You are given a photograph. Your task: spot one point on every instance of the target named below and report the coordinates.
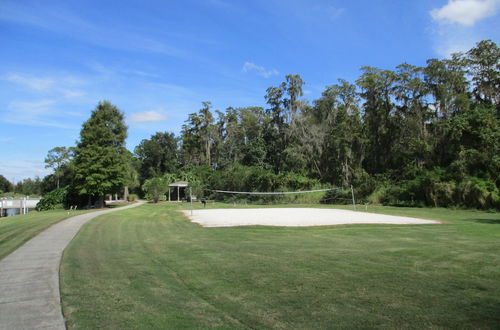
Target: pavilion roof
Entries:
(179, 184)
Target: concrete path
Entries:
(29, 277)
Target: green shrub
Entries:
(132, 197)
(337, 196)
(155, 188)
(56, 199)
(478, 193)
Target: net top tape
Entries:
(271, 193)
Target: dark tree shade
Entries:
(5, 185)
(29, 187)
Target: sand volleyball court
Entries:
(294, 217)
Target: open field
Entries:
(16, 230)
(150, 267)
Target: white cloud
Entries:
(261, 71)
(148, 117)
(464, 12)
(455, 30)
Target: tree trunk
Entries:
(207, 153)
(125, 193)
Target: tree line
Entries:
(410, 136)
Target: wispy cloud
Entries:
(464, 12)
(16, 170)
(260, 70)
(63, 100)
(35, 113)
(62, 86)
(49, 100)
(330, 12)
(35, 83)
(451, 41)
(66, 22)
(148, 117)
(221, 3)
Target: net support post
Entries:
(353, 201)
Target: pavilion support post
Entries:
(178, 193)
(169, 194)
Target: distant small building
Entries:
(179, 185)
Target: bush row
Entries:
(435, 189)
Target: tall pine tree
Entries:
(100, 160)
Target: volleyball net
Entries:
(334, 195)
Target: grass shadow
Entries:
(115, 205)
(488, 221)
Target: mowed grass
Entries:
(150, 268)
(16, 230)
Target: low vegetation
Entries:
(149, 267)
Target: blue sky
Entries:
(158, 60)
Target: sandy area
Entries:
(294, 217)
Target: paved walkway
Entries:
(29, 277)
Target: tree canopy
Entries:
(157, 155)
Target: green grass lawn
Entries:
(16, 230)
(149, 267)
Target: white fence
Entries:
(11, 206)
